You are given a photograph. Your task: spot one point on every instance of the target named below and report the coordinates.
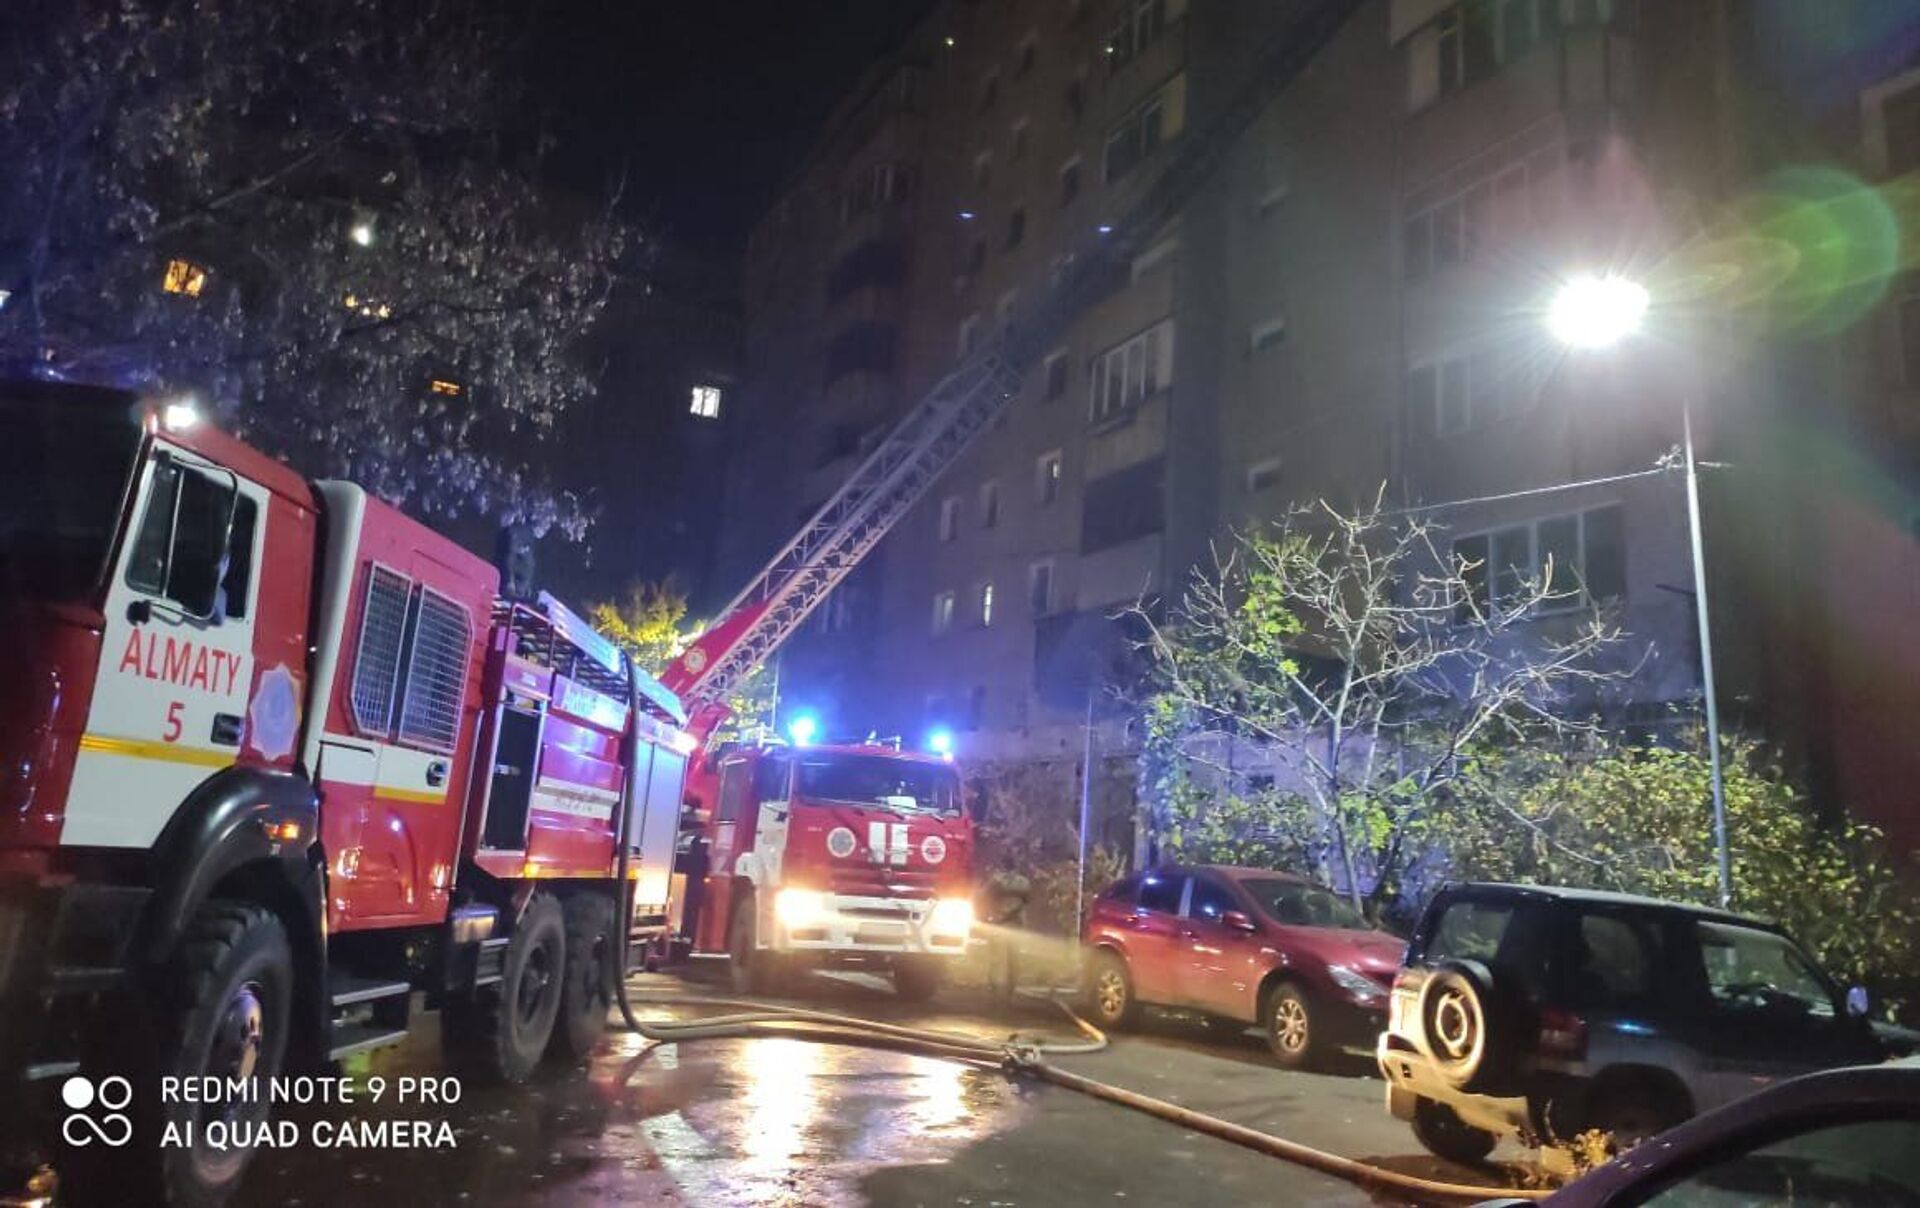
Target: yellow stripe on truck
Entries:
(142, 748)
(418, 796)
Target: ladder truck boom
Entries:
(933, 435)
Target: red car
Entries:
(1246, 944)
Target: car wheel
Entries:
(1110, 988)
(1445, 1135)
(1463, 1026)
(1288, 1027)
(1630, 1112)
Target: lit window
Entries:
(1046, 484)
(445, 387)
(942, 612)
(986, 604)
(184, 277)
(706, 402)
(949, 518)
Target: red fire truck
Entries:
(275, 760)
(833, 855)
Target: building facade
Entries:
(1352, 302)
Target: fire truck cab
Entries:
(836, 855)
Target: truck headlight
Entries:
(951, 916)
(1357, 984)
(799, 907)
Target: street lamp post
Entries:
(1596, 313)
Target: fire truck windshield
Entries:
(65, 460)
(879, 780)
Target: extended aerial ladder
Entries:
(932, 436)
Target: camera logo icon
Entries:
(106, 1099)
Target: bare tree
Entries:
(1363, 664)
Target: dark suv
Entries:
(1542, 1013)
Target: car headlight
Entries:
(951, 916)
(799, 907)
(1357, 984)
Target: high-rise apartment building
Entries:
(1352, 301)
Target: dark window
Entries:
(1069, 183)
(736, 779)
(1469, 930)
(1122, 506)
(990, 91)
(868, 345)
(1617, 962)
(1415, 241)
(976, 257)
(180, 552)
(1209, 900)
(1516, 28)
(1910, 335)
(1056, 377)
(977, 708)
(1421, 380)
(1854, 1163)
(878, 780)
(1075, 99)
(1478, 47)
(1016, 227)
(770, 780)
(1755, 972)
(1301, 904)
(1901, 115)
(1161, 892)
(1024, 63)
(1606, 554)
(875, 263)
(234, 584)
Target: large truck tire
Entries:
(586, 990)
(499, 1034)
(224, 1005)
(751, 969)
(916, 978)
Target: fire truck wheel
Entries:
(500, 1033)
(586, 992)
(752, 970)
(915, 978)
(224, 1006)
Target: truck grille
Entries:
(881, 882)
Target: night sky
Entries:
(705, 105)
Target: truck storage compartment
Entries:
(510, 792)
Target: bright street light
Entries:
(1593, 313)
(361, 233)
(1597, 312)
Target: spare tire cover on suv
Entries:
(1465, 1027)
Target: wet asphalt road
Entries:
(787, 1122)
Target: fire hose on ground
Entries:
(1024, 1057)
(1015, 1056)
